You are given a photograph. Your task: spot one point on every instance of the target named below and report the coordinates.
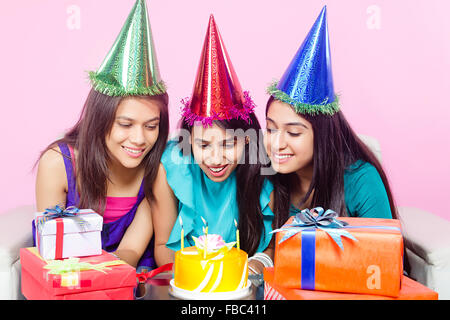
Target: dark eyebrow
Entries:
(273, 122)
(152, 119)
(296, 124)
(197, 140)
(130, 119)
(289, 123)
(124, 118)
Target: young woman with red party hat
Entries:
(211, 172)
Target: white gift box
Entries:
(65, 237)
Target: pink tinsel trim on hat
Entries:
(232, 112)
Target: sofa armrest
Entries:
(373, 145)
(427, 241)
(15, 232)
(426, 234)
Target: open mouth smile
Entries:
(281, 157)
(218, 171)
(133, 152)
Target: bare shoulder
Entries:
(161, 170)
(52, 158)
(161, 179)
(161, 188)
(51, 167)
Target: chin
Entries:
(218, 179)
(130, 164)
(282, 168)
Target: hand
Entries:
(255, 267)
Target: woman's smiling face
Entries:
(289, 138)
(216, 150)
(134, 131)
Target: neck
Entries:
(304, 176)
(119, 175)
(300, 185)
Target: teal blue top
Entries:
(198, 196)
(364, 191)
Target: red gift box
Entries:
(117, 282)
(410, 290)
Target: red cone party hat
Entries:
(217, 93)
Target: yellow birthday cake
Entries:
(220, 272)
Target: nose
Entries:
(214, 156)
(278, 141)
(137, 136)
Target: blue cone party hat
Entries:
(307, 84)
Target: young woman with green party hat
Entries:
(109, 159)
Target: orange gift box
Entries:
(116, 282)
(410, 290)
(373, 264)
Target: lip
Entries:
(133, 154)
(220, 173)
(285, 157)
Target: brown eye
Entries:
(202, 145)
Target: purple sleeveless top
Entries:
(112, 232)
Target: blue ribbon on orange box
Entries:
(307, 222)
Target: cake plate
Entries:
(190, 295)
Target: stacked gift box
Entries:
(68, 261)
(321, 256)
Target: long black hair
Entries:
(336, 146)
(249, 181)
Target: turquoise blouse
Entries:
(365, 194)
(198, 196)
(364, 191)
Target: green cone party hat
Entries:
(131, 68)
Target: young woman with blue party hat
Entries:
(108, 161)
(319, 159)
(210, 173)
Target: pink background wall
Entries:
(391, 61)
